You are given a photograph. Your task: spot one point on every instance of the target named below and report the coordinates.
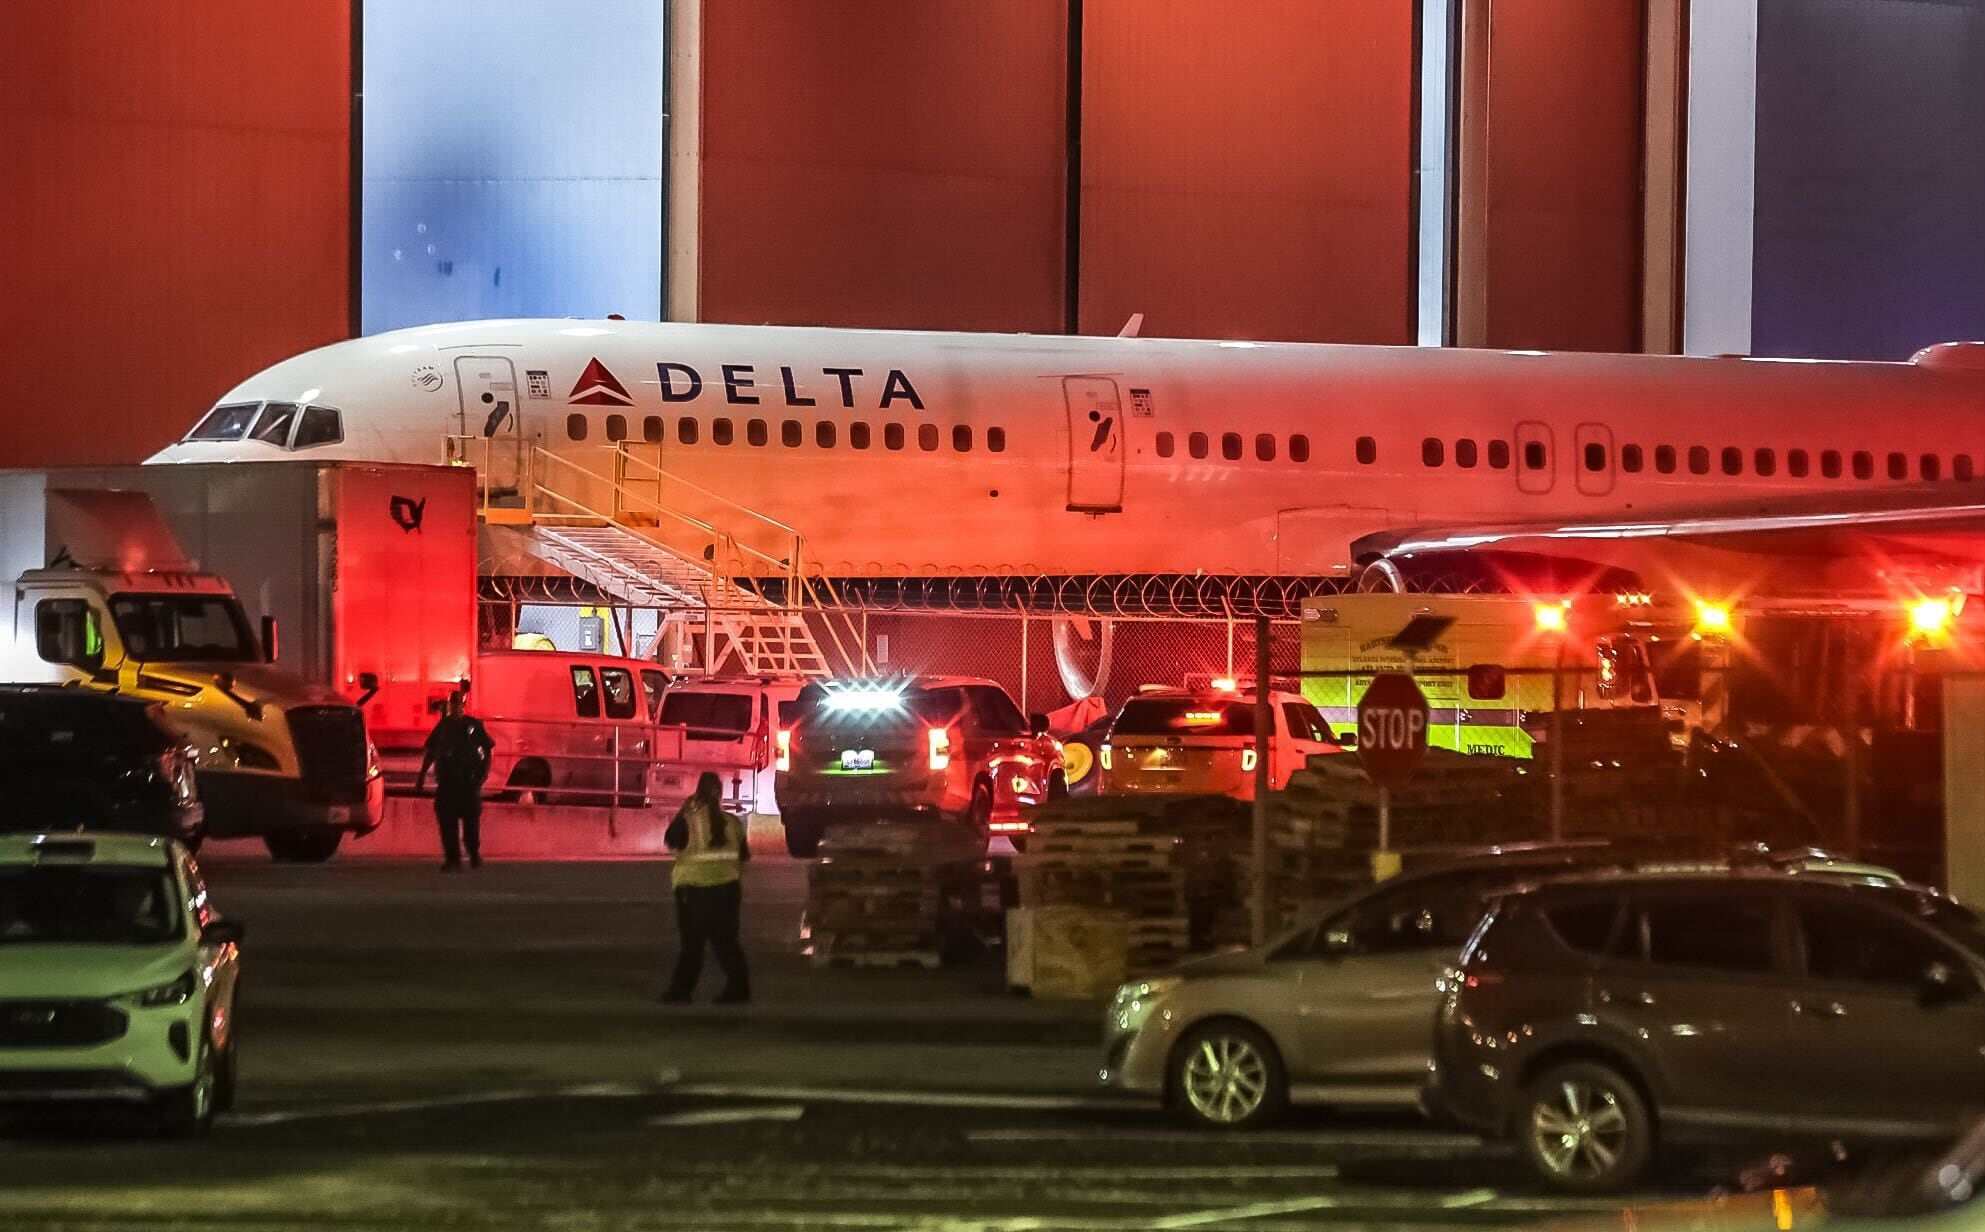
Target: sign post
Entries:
(1392, 740)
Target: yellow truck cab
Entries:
(103, 598)
(1202, 741)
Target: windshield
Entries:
(183, 628)
(228, 422)
(95, 904)
(1185, 716)
(708, 711)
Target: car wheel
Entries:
(1227, 1075)
(303, 846)
(528, 780)
(227, 1073)
(188, 1111)
(1585, 1128)
(802, 839)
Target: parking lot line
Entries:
(1236, 1214)
(908, 1099)
(597, 1090)
(731, 1116)
(1404, 1140)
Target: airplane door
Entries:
(1594, 461)
(492, 412)
(1095, 444)
(1536, 463)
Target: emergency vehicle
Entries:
(951, 749)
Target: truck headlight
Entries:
(179, 992)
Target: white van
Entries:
(569, 727)
(726, 724)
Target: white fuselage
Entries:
(1118, 454)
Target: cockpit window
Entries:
(225, 423)
(277, 419)
(321, 426)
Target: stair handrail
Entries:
(793, 564)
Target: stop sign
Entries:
(1392, 729)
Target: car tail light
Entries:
(1248, 760)
(782, 741)
(1483, 979)
(940, 748)
(1103, 756)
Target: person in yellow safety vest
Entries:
(711, 849)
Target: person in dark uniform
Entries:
(458, 748)
(711, 849)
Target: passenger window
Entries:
(858, 434)
(1431, 453)
(1585, 927)
(1797, 464)
(321, 425)
(892, 436)
(1306, 723)
(1733, 460)
(685, 430)
(995, 712)
(756, 432)
(995, 440)
(1595, 456)
(1698, 459)
(1196, 444)
(1722, 932)
(616, 427)
(1164, 444)
(66, 631)
(1961, 467)
(585, 693)
(277, 419)
(575, 426)
(1932, 468)
(653, 685)
(651, 429)
(1898, 466)
(1465, 454)
(1299, 448)
(823, 434)
(792, 434)
(961, 438)
(927, 437)
(1765, 461)
(1535, 456)
(1664, 459)
(1499, 455)
(1864, 464)
(1367, 451)
(1830, 463)
(1631, 459)
(720, 431)
(618, 685)
(1230, 446)
(1854, 945)
(1264, 447)
(1427, 916)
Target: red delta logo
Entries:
(598, 387)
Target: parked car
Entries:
(1202, 741)
(570, 728)
(117, 977)
(953, 750)
(1596, 1019)
(71, 759)
(726, 725)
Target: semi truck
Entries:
(105, 599)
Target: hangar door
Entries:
(1095, 444)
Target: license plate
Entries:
(857, 759)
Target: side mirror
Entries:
(224, 932)
(1347, 739)
(1037, 724)
(268, 639)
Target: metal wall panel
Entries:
(888, 163)
(1565, 86)
(176, 211)
(1247, 170)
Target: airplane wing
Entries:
(1923, 535)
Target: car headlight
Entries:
(179, 992)
(1136, 1001)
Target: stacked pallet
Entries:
(874, 898)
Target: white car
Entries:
(117, 977)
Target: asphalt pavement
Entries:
(486, 1050)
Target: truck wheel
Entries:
(802, 837)
(979, 814)
(303, 846)
(188, 1111)
(528, 780)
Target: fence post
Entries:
(1026, 702)
(1264, 732)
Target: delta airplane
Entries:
(903, 454)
